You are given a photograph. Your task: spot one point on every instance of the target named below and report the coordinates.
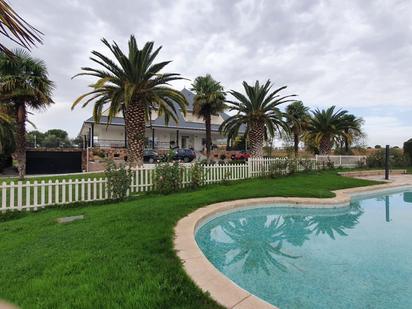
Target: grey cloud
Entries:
(348, 53)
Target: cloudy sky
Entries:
(353, 54)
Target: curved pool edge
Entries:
(211, 280)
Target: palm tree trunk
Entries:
(346, 145)
(135, 131)
(296, 144)
(325, 146)
(256, 135)
(20, 152)
(208, 122)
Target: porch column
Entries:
(125, 137)
(177, 138)
(153, 138)
(92, 136)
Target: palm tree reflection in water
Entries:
(258, 241)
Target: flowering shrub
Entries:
(119, 180)
(167, 177)
(198, 174)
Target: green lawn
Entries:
(121, 255)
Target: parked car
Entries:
(184, 154)
(242, 155)
(150, 156)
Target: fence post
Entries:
(340, 160)
(249, 165)
(3, 197)
(19, 194)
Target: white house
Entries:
(188, 132)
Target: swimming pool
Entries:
(354, 257)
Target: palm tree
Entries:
(24, 84)
(325, 127)
(209, 101)
(352, 127)
(15, 28)
(6, 130)
(259, 111)
(134, 86)
(297, 119)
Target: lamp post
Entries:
(387, 162)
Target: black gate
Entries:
(53, 162)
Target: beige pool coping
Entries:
(220, 287)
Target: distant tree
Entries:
(352, 127)
(297, 119)
(35, 138)
(133, 84)
(57, 132)
(378, 146)
(209, 101)
(258, 110)
(325, 128)
(24, 84)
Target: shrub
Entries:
(277, 168)
(119, 180)
(361, 163)
(167, 177)
(306, 164)
(292, 166)
(330, 164)
(396, 159)
(226, 178)
(407, 148)
(198, 175)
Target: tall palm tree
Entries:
(297, 119)
(6, 130)
(209, 101)
(134, 86)
(325, 127)
(259, 111)
(352, 127)
(24, 84)
(16, 29)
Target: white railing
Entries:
(33, 194)
(341, 161)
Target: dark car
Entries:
(150, 156)
(184, 154)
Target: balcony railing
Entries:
(108, 143)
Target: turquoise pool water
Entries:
(356, 257)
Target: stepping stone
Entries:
(69, 219)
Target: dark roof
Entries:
(160, 121)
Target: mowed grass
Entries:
(121, 255)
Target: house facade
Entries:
(187, 132)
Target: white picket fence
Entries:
(33, 194)
(341, 161)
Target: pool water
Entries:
(355, 257)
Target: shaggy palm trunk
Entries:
(325, 146)
(20, 153)
(208, 135)
(296, 144)
(256, 136)
(346, 145)
(346, 139)
(135, 131)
